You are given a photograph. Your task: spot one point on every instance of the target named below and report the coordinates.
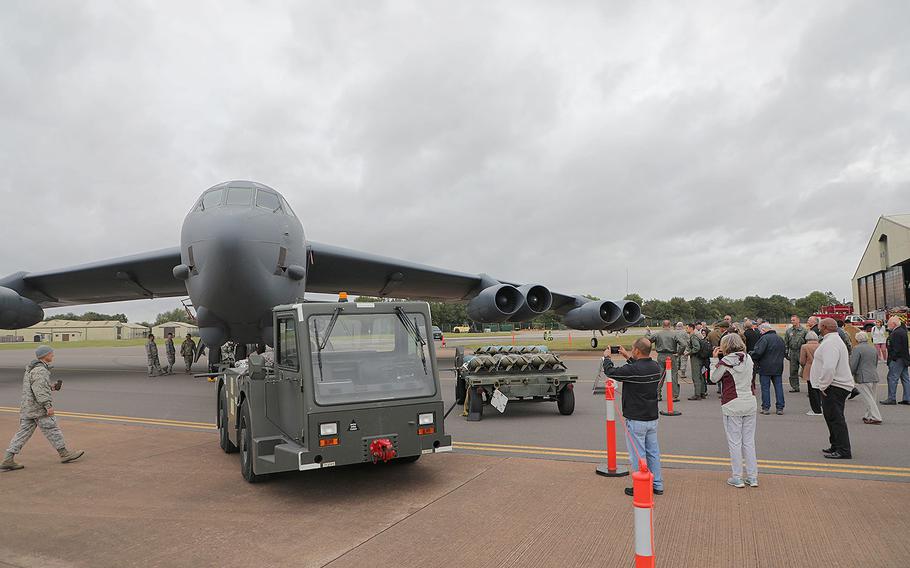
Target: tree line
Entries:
(177, 314)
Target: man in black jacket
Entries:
(898, 360)
(768, 356)
(641, 378)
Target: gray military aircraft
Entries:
(244, 251)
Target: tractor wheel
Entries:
(461, 391)
(246, 446)
(225, 441)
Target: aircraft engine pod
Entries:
(631, 313)
(537, 300)
(17, 312)
(495, 303)
(594, 315)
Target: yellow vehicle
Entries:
(461, 329)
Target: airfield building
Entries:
(882, 279)
(66, 330)
(178, 328)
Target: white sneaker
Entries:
(736, 482)
(810, 413)
(752, 481)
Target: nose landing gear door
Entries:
(284, 395)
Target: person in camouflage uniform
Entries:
(36, 410)
(228, 349)
(151, 355)
(681, 353)
(188, 350)
(693, 348)
(794, 339)
(170, 352)
(668, 343)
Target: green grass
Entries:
(77, 344)
(580, 343)
(472, 334)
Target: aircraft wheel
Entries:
(225, 441)
(246, 446)
(461, 391)
(565, 401)
(593, 343)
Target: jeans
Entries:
(897, 370)
(766, 381)
(833, 407)
(741, 441)
(643, 438)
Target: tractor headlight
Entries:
(426, 419)
(328, 429)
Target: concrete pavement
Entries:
(149, 497)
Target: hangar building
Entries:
(178, 328)
(882, 279)
(66, 330)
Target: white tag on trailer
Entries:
(499, 401)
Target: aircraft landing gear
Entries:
(593, 343)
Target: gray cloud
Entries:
(747, 149)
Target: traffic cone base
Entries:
(604, 470)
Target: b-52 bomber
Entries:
(243, 251)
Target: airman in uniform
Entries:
(151, 355)
(668, 343)
(170, 352)
(188, 351)
(36, 410)
(683, 358)
(693, 348)
(794, 339)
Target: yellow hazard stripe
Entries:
(128, 419)
(692, 460)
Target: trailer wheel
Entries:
(593, 343)
(461, 391)
(565, 401)
(225, 441)
(408, 459)
(246, 445)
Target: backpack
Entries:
(704, 350)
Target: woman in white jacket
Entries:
(733, 371)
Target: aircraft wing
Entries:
(134, 277)
(333, 269)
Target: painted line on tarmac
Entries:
(125, 419)
(689, 460)
(536, 450)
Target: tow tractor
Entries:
(500, 374)
(351, 383)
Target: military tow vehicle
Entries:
(500, 374)
(351, 383)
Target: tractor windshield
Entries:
(369, 357)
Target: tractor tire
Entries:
(565, 401)
(224, 440)
(246, 446)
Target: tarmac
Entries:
(154, 489)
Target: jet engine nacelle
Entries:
(495, 303)
(594, 315)
(631, 313)
(537, 300)
(17, 312)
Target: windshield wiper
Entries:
(320, 345)
(414, 332)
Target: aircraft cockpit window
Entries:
(211, 199)
(287, 208)
(268, 200)
(239, 196)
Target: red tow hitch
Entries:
(381, 449)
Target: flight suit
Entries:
(682, 353)
(667, 343)
(794, 339)
(695, 363)
(151, 355)
(188, 351)
(171, 354)
(36, 399)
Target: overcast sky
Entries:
(710, 148)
